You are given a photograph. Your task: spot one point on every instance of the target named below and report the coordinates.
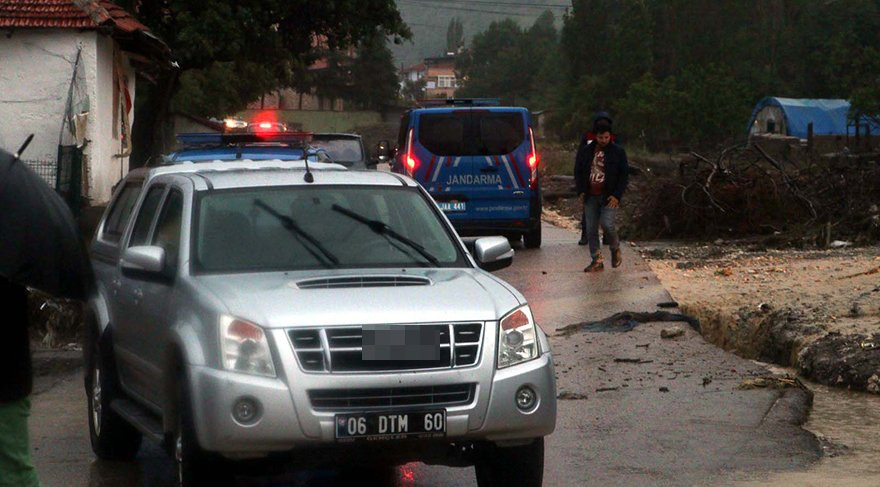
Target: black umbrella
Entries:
(40, 244)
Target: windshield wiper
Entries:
(383, 229)
(325, 257)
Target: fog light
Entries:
(246, 410)
(526, 398)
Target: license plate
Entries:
(390, 426)
(401, 342)
(452, 206)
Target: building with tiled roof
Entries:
(68, 70)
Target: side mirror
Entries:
(144, 262)
(383, 151)
(493, 253)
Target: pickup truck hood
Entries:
(283, 300)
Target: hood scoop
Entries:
(362, 281)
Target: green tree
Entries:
(227, 41)
(519, 66)
(374, 82)
(455, 35)
(494, 65)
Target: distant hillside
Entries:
(429, 19)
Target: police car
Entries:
(479, 162)
(242, 140)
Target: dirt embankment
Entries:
(816, 310)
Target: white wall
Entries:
(105, 166)
(36, 67)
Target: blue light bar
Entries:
(477, 102)
(217, 138)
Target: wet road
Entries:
(624, 430)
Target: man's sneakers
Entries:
(597, 265)
(616, 257)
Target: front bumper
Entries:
(288, 420)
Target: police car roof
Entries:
(247, 173)
(254, 153)
(248, 178)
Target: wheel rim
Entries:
(97, 407)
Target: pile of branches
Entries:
(744, 191)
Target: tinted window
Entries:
(141, 231)
(499, 133)
(341, 150)
(121, 210)
(444, 134)
(281, 228)
(167, 234)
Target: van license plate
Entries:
(391, 426)
(452, 206)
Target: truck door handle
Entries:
(489, 169)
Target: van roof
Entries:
(448, 109)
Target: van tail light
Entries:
(533, 161)
(409, 159)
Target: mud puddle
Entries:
(848, 423)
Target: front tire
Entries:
(194, 466)
(532, 240)
(519, 466)
(111, 436)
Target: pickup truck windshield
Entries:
(299, 228)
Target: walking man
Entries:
(16, 468)
(599, 119)
(601, 173)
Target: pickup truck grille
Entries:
(364, 399)
(340, 349)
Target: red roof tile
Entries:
(71, 14)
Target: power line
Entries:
(497, 3)
(463, 9)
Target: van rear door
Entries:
(441, 152)
(502, 147)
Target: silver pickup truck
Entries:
(258, 314)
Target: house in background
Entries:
(413, 73)
(68, 70)
(438, 73)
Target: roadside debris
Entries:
(851, 361)
(632, 360)
(571, 396)
(667, 304)
(724, 272)
(707, 381)
(607, 389)
(868, 272)
(839, 244)
(770, 382)
(664, 389)
(626, 321)
(671, 332)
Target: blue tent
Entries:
(829, 117)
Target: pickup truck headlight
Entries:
(517, 338)
(245, 348)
